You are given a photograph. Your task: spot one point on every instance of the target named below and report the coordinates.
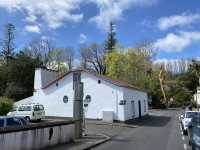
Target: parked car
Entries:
(12, 121)
(194, 133)
(31, 111)
(186, 121)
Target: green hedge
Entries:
(6, 105)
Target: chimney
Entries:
(38, 79)
(42, 77)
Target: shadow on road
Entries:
(150, 120)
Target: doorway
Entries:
(139, 108)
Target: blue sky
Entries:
(173, 26)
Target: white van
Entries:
(31, 111)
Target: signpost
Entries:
(78, 109)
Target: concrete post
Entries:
(78, 109)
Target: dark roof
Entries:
(105, 78)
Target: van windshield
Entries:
(38, 108)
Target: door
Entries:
(133, 108)
(139, 108)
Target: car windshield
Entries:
(196, 120)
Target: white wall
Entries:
(104, 97)
(52, 98)
(134, 95)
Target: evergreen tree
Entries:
(111, 40)
(8, 42)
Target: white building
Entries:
(56, 93)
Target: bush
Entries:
(5, 105)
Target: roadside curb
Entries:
(107, 138)
(113, 124)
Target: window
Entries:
(87, 99)
(27, 108)
(65, 99)
(24, 108)
(99, 81)
(1, 122)
(20, 108)
(14, 109)
(12, 122)
(122, 102)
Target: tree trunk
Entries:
(162, 88)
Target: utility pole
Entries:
(78, 109)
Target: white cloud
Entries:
(32, 28)
(177, 42)
(82, 38)
(53, 12)
(112, 10)
(177, 20)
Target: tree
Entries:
(195, 67)
(20, 76)
(8, 42)
(116, 65)
(111, 40)
(161, 79)
(69, 57)
(39, 49)
(5, 105)
(93, 58)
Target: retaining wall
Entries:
(37, 136)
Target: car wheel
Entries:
(185, 132)
(190, 142)
(193, 148)
(27, 118)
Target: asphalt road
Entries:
(160, 131)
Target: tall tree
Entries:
(8, 42)
(195, 67)
(69, 57)
(111, 40)
(93, 58)
(40, 49)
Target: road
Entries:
(161, 131)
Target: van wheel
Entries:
(27, 118)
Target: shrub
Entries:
(5, 105)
